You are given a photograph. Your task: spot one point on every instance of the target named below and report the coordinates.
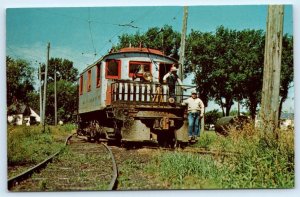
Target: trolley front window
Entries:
(113, 69)
(138, 68)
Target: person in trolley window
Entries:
(171, 78)
(195, 113)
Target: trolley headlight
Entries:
(147, 76)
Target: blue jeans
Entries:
(193, 119)
(172, 91)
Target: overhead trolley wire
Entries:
(73, 17)
(126, 26)
(14, 51)
(91, 35)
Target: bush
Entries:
(211, 117)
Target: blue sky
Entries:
(79, 33)
(83, 35)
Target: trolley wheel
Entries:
(89, 139)
(167, 139)
(182, 145)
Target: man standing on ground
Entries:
(195, 113)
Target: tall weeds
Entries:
(264, 160)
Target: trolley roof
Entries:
(132, 50)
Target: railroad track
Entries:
(80, 166)
(188, 149)
(83, 166)
(203, 151)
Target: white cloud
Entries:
(37, 53)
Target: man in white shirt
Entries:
(171, 78)
(195, 113)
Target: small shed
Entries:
(287, 120)
(19, 114)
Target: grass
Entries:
(30, 145)
(265, 161)
(186, 171)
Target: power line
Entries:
(128, 25)
(72, 17)
(125, 26)
(95, 53)
(110, 39)
(13, 51)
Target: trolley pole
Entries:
(272, 67)
(45, 85)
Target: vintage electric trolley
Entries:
(122, 97)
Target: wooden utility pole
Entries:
(55, 97)
(40, 83)
(182, 49)
(45, 85)
(239, 108)
(272, 66)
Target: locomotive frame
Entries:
(122, 98)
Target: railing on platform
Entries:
(142, 92)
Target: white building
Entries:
(19, 114)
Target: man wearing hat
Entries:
(195, 113)
(171, 78)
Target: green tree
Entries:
(66, 88)
(211, 117)
(200, 59)
(20, 80)
(250, 50)
(64, 70)
(67, 103)
(216, 65)
(33, 98)
(228, 66)
(164, 39)
(287, 69)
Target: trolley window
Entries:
(89, 79)
(81, 85)
(138, 68)
(98, 80)
(113, 69)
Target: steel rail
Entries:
(199, 150)
(209, 152)
(114, 180)
(24, 175)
